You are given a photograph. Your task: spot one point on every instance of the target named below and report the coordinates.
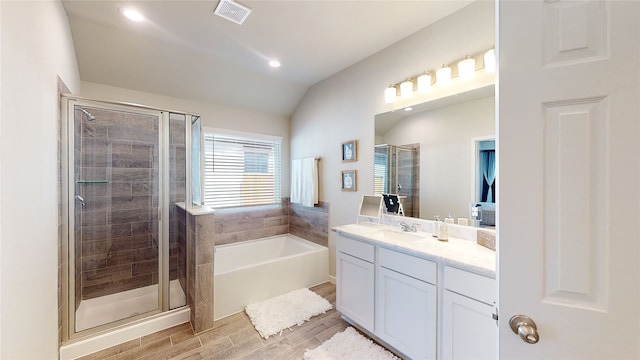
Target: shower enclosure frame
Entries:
(67, 179)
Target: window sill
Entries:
(247, 209)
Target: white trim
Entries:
(241, 134)
(118, 336)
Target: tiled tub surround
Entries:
(203, 230)
(200, 242)
(310, 223)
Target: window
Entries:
(241, 169)
(486, 176)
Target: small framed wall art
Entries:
(350, 151)
(349, 180)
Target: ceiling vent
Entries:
(232, 11)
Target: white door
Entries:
(568, 173)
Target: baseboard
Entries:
(121, 335)
(332, 279)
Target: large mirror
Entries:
(439, 157)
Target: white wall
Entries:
(215, 116)
(343, 107)
(36, 49)
(447, 160)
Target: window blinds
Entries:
(241, 170)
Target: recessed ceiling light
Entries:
(132, 14)
(408, 108)
(274, 63)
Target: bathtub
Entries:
(256, 270)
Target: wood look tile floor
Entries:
(233, 337)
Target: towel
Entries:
(304, 182)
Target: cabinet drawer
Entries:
(356, 248)
(472, 285)
(409, 265)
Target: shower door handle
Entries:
(81, 199)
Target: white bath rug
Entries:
(349, 345)
(274, 315)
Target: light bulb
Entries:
(390, 94)
(424, 83)
(490, 61)
(443, 76)
(406, 89)
(132, 14)
(467, 68)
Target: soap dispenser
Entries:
(449, 219)
(436, 226)
(443, 231)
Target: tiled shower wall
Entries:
(409, 177)
(118, 235)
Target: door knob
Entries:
(525, 327)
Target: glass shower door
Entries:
(115, 182)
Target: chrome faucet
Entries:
(406, 227)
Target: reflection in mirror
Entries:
(486, 179)
(196, 176)
(396, 171)
(445, 131)
(370, 207)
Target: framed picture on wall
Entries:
(349, 180)
(350, 151)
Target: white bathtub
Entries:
(256, 270)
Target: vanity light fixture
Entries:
(390, 94)
(424, 83)
(467, 68)
(132, 14)
(406, 89)
(490, 61)
(443, 76)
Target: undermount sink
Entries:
(395, 235)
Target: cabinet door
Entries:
(406, 314)
(355, 289)
(468, 328)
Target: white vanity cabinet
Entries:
(468, 328)
(355, 281)
(406, 303)
(416, 300)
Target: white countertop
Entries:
(464, 254)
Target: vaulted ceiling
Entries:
(183, 50)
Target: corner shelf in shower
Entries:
(93, 182)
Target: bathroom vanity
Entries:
(425, 298)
